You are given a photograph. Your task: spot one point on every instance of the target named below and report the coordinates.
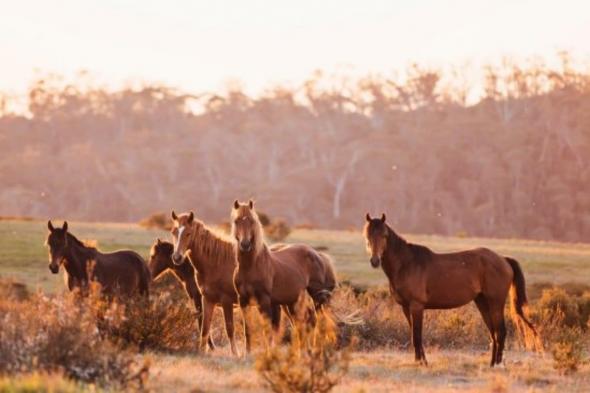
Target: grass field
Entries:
(23, 257)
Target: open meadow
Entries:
(381, 359)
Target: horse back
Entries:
(124, 269)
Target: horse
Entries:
(213, 257)
(121, 272)
(160, 262)
(275, 277)
(421, 279)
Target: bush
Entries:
(41, 383)
(48, 335)
(559, 308)
(310, 363)
(161, 323)
(157, 221)
(12, 290)
(277, 230)
(567, 350)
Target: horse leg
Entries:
(275, 318)
(266, 309)
(406, 310)
(244, 302)
(484, 310)
(417, 313)
(228, 315)
(497, 314)
(208, 308)
(197, 300)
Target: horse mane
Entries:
(163, 246)
(85, 244)
(419, 252)
(212, 245)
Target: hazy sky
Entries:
(199, 45)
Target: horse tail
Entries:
(324, 294)
(519, 302)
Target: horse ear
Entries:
(174, 216)
(251, 204)
(236, 204)
(368, 217)
(50, 226)
(65, 226)
(158, 241)
(383, 217)
(191, 216)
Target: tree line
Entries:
(511, 162)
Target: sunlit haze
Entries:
(198, 45)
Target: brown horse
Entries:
(121, 272)
(161, 262)
(275, 277)
(420, 279)
(214, 260)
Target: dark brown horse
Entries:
(161, 262)
(421, 279)
(214, 260)
(119, 273)
(276, 277)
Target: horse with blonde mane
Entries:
(214, 260)
(275, 277)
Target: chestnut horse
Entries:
(161, 262)
(421, 279)
(121, 272)
(275, 277)
(214, 260)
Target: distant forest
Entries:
(513, 162)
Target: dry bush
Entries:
(264, 218)
(277, 230)
(157, 221)
(12, 290)
(311, 362)
(567, 350)
(61, 334)
(41, 383)
(560, 308)
(161, 323)
(384, 325)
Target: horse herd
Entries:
(217, 270)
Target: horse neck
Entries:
(259, 258)
(77, 257)
(204, 258)
(186, 271)
(397, 254)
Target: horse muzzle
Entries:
(375, 262)
(177, 259)
(245, 246)
(54, 268)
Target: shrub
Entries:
(557, 306)
(567, 350)
(277, 230)
(47, 335)
(157, 221)
(161, 322)
(264, 218)
(310, 363)
(41, 383)
(12, 290)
